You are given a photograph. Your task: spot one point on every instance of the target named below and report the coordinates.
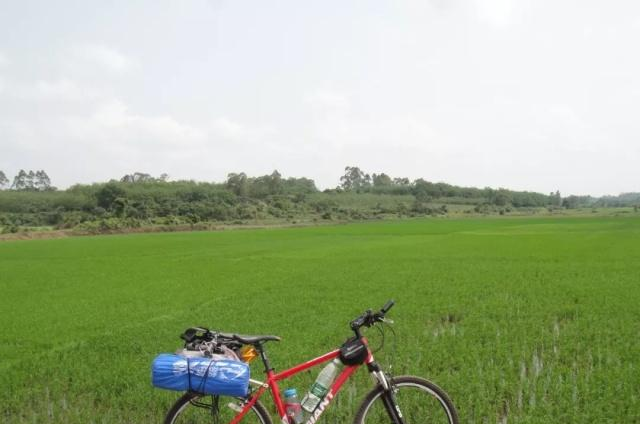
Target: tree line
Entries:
(27, 181)
(140, 199)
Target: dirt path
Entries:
(55, 234)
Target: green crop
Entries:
(520, 320)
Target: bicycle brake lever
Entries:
(387, 321)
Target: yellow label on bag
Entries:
(248, 354)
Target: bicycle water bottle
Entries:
(292, 406)
(321, 386)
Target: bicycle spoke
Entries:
(213, 410)
(417, 403)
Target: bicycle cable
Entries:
(381, 328)
(394, 345)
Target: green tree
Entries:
(570, 202)
(574, 202)
(137, 177)
(238, 184)
(355, 179)
(41, 181)
(119, 206)
(20, 181)
(266, 185)
(107, 195)
(275, 183)
(501, 197)
(3, 180)
(381, 180)
(299, 186)
(423, 191)
(31, 181)
(557, 198)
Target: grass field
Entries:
(521, 320)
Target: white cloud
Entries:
(486, 92)
(114, 124)
(52, 91)
(103, 56)
(497, 13)
(240, 134)
(113, 139)
(3, 63)
(227, 128)
(4, 60)
(329, 101)
(570, 131)
(62, 90)
(335, 124)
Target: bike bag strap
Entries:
(353, 351)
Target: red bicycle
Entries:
(399, 400)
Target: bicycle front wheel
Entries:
(419, 401)
(194, 408)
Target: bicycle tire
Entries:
(184, 411)
(418, 399)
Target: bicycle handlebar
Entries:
(387, 306)
(369, 318)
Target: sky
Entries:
(539, 95)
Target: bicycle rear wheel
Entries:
(195, 408)
(419, 401)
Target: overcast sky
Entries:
(535, 95)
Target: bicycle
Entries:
(399, 400)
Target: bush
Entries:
(72, 219)
(108, 225)
(10, 229)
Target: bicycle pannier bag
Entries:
(200, 374)
(353, 351)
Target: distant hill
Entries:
(624, 199)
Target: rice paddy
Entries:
(520, 320)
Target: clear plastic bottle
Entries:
(321, 386)
(292, 406)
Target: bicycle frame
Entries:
(273, 378)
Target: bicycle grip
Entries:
(387, 306)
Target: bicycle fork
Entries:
(388, 396)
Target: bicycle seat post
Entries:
(263, 356)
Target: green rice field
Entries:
(520, 320)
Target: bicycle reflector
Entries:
(248, 354)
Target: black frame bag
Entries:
(353, 351)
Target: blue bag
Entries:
(200, 374)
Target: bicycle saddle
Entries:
(246, 339)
